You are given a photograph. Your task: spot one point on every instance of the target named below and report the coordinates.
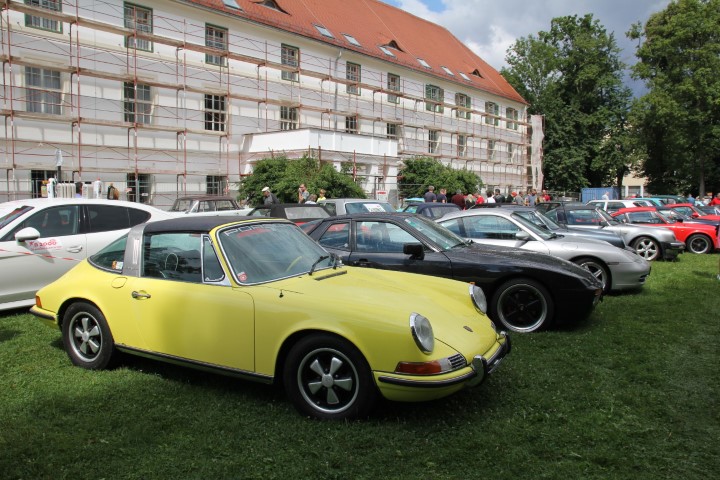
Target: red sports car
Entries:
(698, 237)
(693, 211)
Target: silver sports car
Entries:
(617, 269)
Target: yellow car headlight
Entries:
(422, 332)
(478, 298)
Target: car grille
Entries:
(457, 361)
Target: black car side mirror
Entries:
(415, 250)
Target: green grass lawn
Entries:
(630, 393)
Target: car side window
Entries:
(337, 236)
(491, 227)
(211, 267)
(643, 217)
(455, 226)
(106, 218)
(381, 237)
(173, 256)
(332, 208)
(57, 221)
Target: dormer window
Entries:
(477, 73)
(272, 4)
(324, 31)
(351, 39)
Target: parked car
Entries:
(611, 206)
(616, 269)
(694, 212)
(258, 299)
(527, 291)
(297, 212)
(209, 204)
(42, 238)
(698, 237)
(549, 205)
(341, 206)
(711, 209)
(431, 210)
(649, 243)
(533, 215)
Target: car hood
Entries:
(390, 297)
(488, 255)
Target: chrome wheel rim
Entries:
(698, 245)
(597, 271)
(522, 308)
(328, 380)
(647, 249)
(85, 336)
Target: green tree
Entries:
(284, 176)
(418, 173)
(572, 75)
(679, 118)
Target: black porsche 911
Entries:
(527, 291)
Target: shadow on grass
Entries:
(8, 334)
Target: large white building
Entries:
(169, 97)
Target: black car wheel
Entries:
(87, 338)
(598, 269)
(326, 377)
(522, 305)
(699, 243)
(647, 248)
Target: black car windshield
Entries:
(440, 235)
(264, 252)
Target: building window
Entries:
(215, 184)
(392, 131)
(216, 37)
(493, 111)
(42, 22)
(290, 57)
(463, 102)
(434, 98)
(462, 146)
(491, 149)
(44, 94)
(353, 74)
(140, 20)
(215, 113)
(511, 152)
(351, 124)
(137, 103)
(393, 83)
(288, 118)
(433, 141)
(512, 118)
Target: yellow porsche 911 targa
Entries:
(257, 298)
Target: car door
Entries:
(37, 262)
(379, 244)
(181, 311)
(498, 230)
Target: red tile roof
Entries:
(374, 23)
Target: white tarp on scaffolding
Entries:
(536, 152)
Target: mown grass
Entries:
(630, 393)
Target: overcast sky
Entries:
(489, 27)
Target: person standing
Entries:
(442, 196)
(519, 199)
(531, 199)
(490, 198)
(458, 199)
(605, 196)
(113, 193)
(498, 197)
(715, 200)
(430, 196)
(312, 199)
(303, 194)
(269, 198)
(321, 197)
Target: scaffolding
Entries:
(100, 121)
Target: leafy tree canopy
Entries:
(678, 120)
(572, 75)
(284, 176)
(418, 173)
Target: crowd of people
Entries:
(465, 201)
(304, 196)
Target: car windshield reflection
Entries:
(270, 251)
(443, 237)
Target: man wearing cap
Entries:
(269, 198)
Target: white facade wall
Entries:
(175, 154)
